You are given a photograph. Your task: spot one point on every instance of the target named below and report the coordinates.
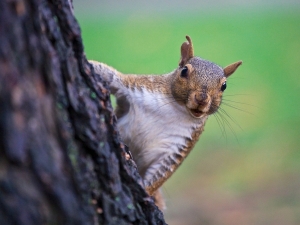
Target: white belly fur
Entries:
(154, 128)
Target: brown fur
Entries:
(154, 83)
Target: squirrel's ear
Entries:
(228, 70)
(187, 51)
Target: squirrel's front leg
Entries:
(109, 75)
(115, 80)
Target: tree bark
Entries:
(61, 158)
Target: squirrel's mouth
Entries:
(196, 113)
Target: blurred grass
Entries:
(249, 173)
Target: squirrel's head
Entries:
(199, 84)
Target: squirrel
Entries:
(160, 118)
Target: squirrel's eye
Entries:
(184, 72)
(223, 87)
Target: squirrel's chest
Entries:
(155, 125)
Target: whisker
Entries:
(228, 124)
(221, 125)
(224, 103)
(241, 103)
(230, 117)
(221, 120)
(223, 114)
(240, 95)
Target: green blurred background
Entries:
(246, 168)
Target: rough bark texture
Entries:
(61, 160)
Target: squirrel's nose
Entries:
(201, 99)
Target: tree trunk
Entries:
(61, 159)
